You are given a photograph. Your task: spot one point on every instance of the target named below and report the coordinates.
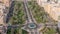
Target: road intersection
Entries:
(31, 25)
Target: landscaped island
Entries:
(18, 17)
(41, 16)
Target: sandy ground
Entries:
(3, 3)
(6, 3)
(51, 9)
(1, 20)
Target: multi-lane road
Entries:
(30, 21)
(31, 25)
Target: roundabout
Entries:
(32, 26)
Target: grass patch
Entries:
(18, 14)
(39, 13)
(24, 32)
(49, 31)
(9, 31)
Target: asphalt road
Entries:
(29, 18)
